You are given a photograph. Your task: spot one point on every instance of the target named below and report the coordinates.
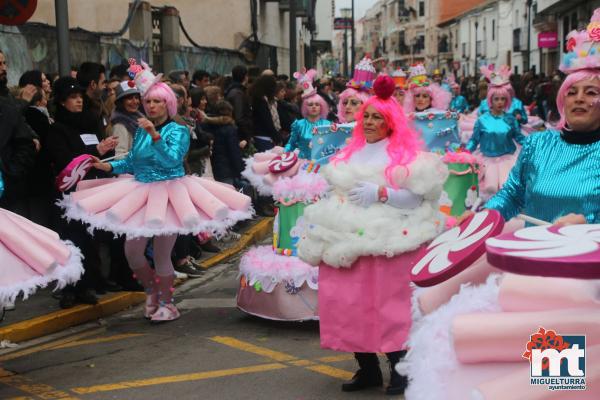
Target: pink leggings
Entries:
(162, 246)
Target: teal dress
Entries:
(301, 135)
(459, 104)
(151, 161)
(495, 135)
(556, 174)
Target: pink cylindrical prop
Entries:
(182, 204)
(259, 157)
(156, 207)
(233, 199)
(128, 205)
(271, 178)
(516, 383)
(530, 293)
(204, 200)
(109, 195)
(501, 337)
(17, 219)
(34, 254)
(261, 167)
(90, 183)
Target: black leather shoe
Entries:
(364, 379)
(86, 296)
(398, 384)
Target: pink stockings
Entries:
(158, 282)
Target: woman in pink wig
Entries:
(423, 94)
(479, 323)
(496, 132)
(363, 236)
(158, 202)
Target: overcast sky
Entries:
(360, 6)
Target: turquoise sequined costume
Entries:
(495, 135)
(152, 161)
(516, 108)
(459, 104)
(301, 134)
(552, 178)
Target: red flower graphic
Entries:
(545, 339)
(593, 30)
(571, 44)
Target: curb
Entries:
(112, 304)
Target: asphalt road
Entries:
(214, 351)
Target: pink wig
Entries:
(440, 97)
(162, 91)
(501, 91)
(320, 100)
(404, 140)
(571, 79)
(346, 94)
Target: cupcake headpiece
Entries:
(399, 78)
(582, 47)
(142, 75)
(499, 77)
(305, 80)
(418, 77)
(364, 75)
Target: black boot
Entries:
(369, 374)
(398, 383)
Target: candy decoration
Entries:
(283, 162)
(570, 251)
(456, 249)
(73, 172)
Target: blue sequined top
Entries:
(495, 135)
(552, 178)
(1, 184)
(459, 104)
(516, 108)
(302, 132)
(152, 161)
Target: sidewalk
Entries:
(41, 315)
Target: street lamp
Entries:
(476, 26)
(346, 15)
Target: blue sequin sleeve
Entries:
(1, 185)
(516, 131)
(124, 165)
(475, 138)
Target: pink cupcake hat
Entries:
(364, 75)
(305, 80)
(496, 77)
(582, 47)
(142, 75)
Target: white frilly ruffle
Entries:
(261, 264)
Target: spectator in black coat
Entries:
(226, 157)
(288, 112)
(267, 125)
(73, 134)
(237, 95)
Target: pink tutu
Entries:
(178, 206)
(277, 287)
(32, 256)
(495, 172)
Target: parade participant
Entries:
(399, 78)
(32, 256)
(458, 103)
(495, 132)
(516, 108)
(553, 180)
(426, 103)
(357, 91)
(363, 236)
(314, 110)
(423, 94)
(159, 201)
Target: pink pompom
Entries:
(384, 87)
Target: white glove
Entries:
(364, 194)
